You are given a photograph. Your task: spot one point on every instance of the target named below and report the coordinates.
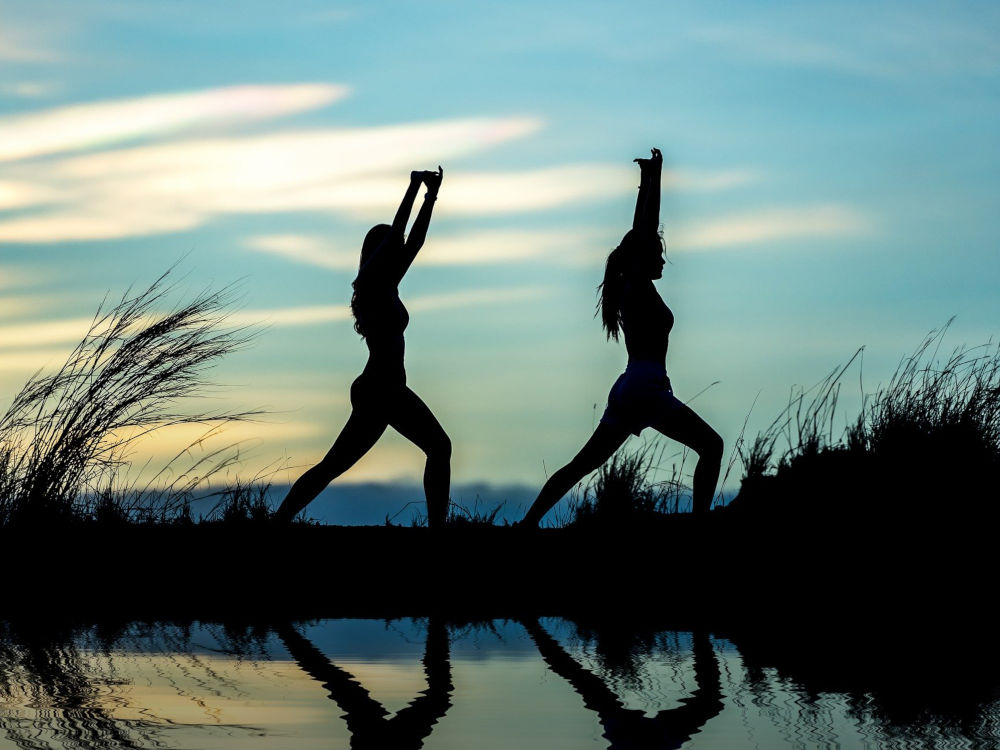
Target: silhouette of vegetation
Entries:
(460, 515)
(926, 445)
(624, 490)
(66, 440)
(242, 503)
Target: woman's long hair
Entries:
(373, 240)
(617, 270)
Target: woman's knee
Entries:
(711, 446)
(439, 447)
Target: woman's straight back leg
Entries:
(598, 449)
(363, 429)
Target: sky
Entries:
(831, 181)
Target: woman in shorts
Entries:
(642, 397)
(380, 396)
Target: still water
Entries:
(530, 683)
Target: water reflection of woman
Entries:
(366, 717)
(631, 728)
(642, 396)
(380, 396)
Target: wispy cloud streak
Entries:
(770, 47)
(471, 248)
(28, 89)
(35, 341)
(168, 187)
(772, 224)
(101, 123)
(318, 314)
(178, 185)
(16, 48)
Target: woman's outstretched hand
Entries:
(432, 179)
(656, 160)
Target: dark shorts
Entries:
(640, 398)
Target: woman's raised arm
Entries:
(418, 232)
(381, 260)
(647, 205)
(406, 205)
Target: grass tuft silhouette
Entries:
(66, 439)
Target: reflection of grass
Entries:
(927, 444)
(66, 438)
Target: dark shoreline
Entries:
(722, 568)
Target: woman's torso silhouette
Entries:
(646, 323)
(384, 318)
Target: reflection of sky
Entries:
(195, 686)
(832, 182)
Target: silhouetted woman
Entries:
(380, 396)
(642, 396)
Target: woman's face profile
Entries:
(651, 260)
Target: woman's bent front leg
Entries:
(413, 420)
(680, 423)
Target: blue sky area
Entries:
(831, 181)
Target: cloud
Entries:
(308, 249)
(12, 277)
(32, 344)
(169, 440)
(697, 181)
(31, 360)
(894, 42)
(175, 186)
(17, 305)
(18, 50)
(828, 220)
(476, 298)
(29, 89)
(767, 46)
(319, 314)
(471, 248)
(34, 334)
(101, 123)
(21, 194)
(291, 316)
(178, 185)
(496, 193)
(503, 246)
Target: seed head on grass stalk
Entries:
(69, 434)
